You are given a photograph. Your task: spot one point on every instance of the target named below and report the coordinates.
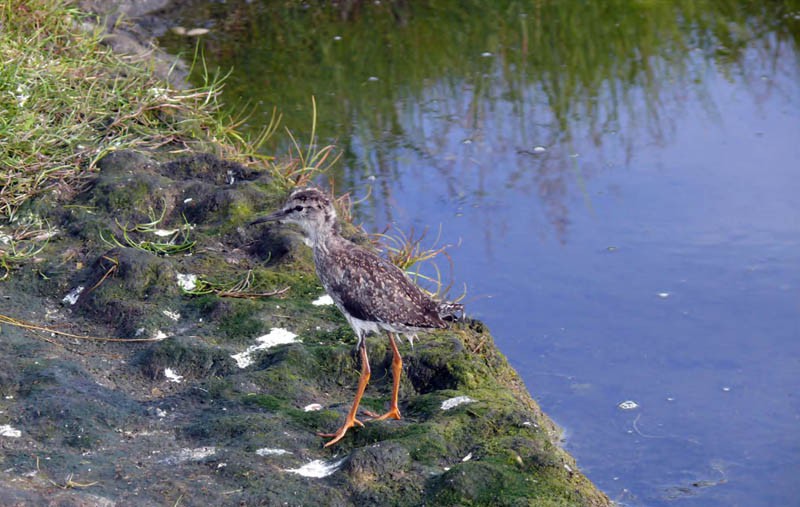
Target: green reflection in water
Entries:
(539, 72)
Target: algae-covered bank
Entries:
(157, 352)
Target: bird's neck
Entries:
(322, 238)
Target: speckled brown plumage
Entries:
(371, 292)
(370, 288)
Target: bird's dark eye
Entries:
(298, 208)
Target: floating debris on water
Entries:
(627, 405)
(539, 149)
(312, 407)
(277, 336)
(7, 430)
(317, 468)
(454, 402)
(323, 300)
(663, 295)
(266, 451)
(73, 295)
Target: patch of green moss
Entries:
(240, 321)
(239, 212)
(223, 428)
(479, 483)
(265, 401)
(314, 420)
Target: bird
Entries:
(371, 292)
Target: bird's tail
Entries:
(451, 311)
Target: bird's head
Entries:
(309, 208)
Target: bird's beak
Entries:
(273, 217)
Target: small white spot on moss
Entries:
(73, 295)
(172, 315)
(454, 402)
(185, 455)
(266, 451)
(277, 336)
(317, 468)
(172, 376)
(323, 300)
(7, 430)
(187, 282)
(312, 407)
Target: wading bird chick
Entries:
(371, 292)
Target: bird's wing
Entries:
(370, 288)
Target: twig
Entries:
(35, 327)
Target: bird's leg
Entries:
(397, 370)
(351, 420)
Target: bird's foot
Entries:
(393, 413)
(339, 434)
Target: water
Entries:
(621, 182)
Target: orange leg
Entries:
(397, 370)
(351, 420)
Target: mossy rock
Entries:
(497, 449)
(191, 357)
(130, 189)
(131, 290)
(209, 168)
